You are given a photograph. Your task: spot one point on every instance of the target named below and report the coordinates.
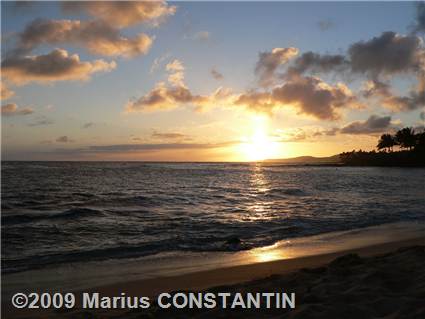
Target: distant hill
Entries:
(307, 160)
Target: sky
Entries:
(207, 81)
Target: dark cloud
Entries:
(96, 36)
(11, 109)
(316, 63)
(309, 95)
(388, 54)
(420, 17)
(269, 62)
(374, 124)
(88, 125)
(41, 122)
(157, 147)
(326, 24)
(122, 14)
(216, 75)
(382, 90)
(258, 101)
(64, 139)
(57, 65)
(312, 96)
(168, 135)
(377, 59)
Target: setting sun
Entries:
(260, 145)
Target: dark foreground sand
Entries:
(380, 284)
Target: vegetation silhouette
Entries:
(410, 145)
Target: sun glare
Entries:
(259, 146)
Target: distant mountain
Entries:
(307, 160)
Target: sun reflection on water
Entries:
(268, 253)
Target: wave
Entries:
(73, 213)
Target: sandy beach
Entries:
(385, 280)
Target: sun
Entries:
(260, 145)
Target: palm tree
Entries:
(386, 141)
(406, 138)
(420, 142)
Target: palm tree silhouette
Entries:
(386, 141)
(406, 138)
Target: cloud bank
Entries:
(57, 65)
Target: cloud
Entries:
(216, 75)
(309, 95)
(167, 96)
(382, 90)
(292, 135)
(158, 147)
(315, 97)
(96, 36)
(158, 61)
(269, 62)
(328, 132)
(420, 17)
(41, 122)
(64, 139)
(202, 36)
(374, 124)
(122, 14)
(88, 125)
(171, 136)
(325, 25)
(11, 109)
(316, 63)
(378, 59)
(176, 70)
(388, 54)
(258, 101)
(6, 93)
(57, 65)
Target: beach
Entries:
(382, 280)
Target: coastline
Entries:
(241, 275)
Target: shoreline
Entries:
(243, 273)
(84, 276)
(226, 277)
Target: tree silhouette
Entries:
(386, 141)
(420, 142)
(406, 138)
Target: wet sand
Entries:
(380, 281)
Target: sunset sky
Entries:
(218, 81)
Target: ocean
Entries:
(58, 213)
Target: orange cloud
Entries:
(6, 93)
(309, 95)
(122, 14)
(12, 109)
(167, 96)
(57, 65)
(96, 36)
